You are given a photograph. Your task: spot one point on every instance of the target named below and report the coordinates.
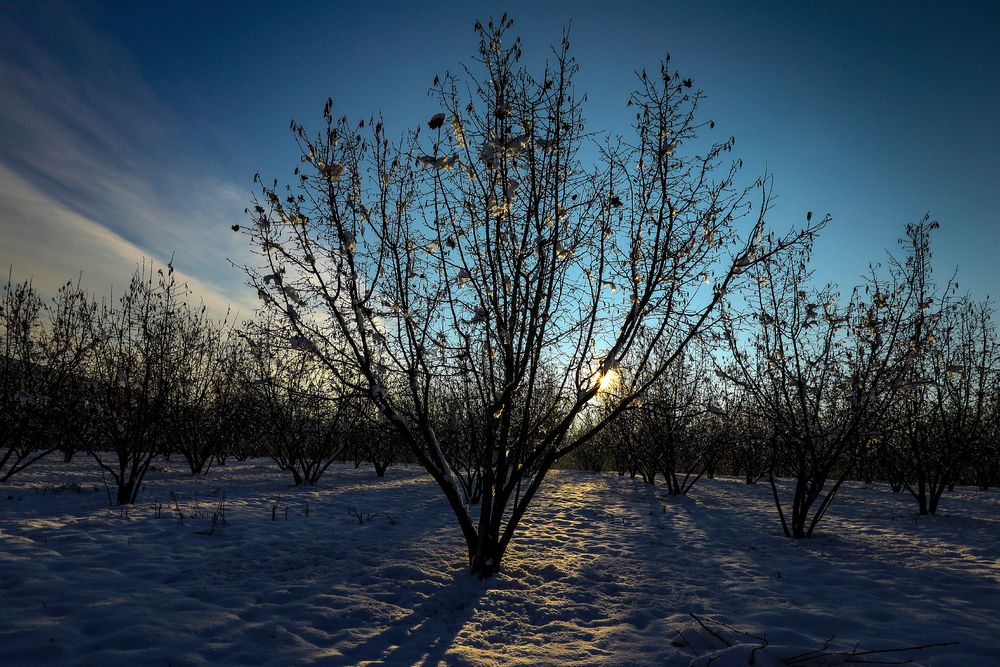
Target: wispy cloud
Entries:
(95, 173)
(51, 244)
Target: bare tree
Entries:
(376, 441)
(681, 408)
(248, 433)
(951, 364)
(489, 247)
(202, 412)
(593, 454)
(665, 430)
(42, 349)
(303, 408)
(749, 438)
(986, 457)
(460, 423)
(132, 374)
(20, 387)
(819, 369)
(965, 366)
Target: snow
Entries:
(606, 571)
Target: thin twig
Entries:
(906, 648)
(710, 630)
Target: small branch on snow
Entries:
(858, 657)
(710, 630)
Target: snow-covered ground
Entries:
(605, 571)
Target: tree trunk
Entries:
(124, 496)
(484, 557)
(935, 498)
(921, 494)
(800, 511)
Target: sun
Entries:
(608, 381)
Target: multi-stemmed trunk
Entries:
(128, 475)
(506, 491)
(810, 484)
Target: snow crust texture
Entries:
(606, 571)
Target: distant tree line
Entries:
(150, 374)
(897, 381)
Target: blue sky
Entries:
(134, 129)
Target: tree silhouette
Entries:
(510, 246)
